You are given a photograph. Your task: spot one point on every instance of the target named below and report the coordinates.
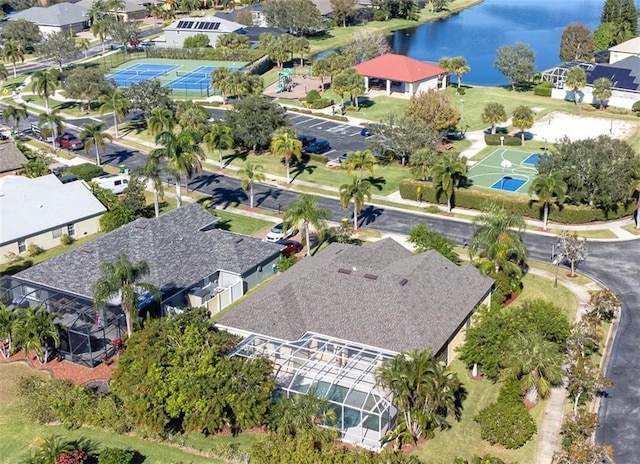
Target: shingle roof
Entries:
(359, 294)
(60, 14)
(399, 68)
(30, 206)
(179, 248)
(233, 14)
(11, 158)
(129, 6)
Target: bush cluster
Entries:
(215, 54)
(86, 171)
(517, 204)
(543, 89)
(116, 456)
(316, 101)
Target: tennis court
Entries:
(505, 169)
(198, 79)
(139, 72)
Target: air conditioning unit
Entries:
(197, 297)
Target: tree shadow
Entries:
(229, 197)
(268, 194)
(377, 182)
(224, 224)
(136, 125)
(118, 157)
(300, 168)
(204, 180)
(369, 215)
(230, 158)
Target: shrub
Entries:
(506, 423)
(196, 41)
(285, 262)
(319, 104)
(543, 89)
(636, 107)
(66, 239)
(13, 257)
(72, 457)
(116, 456)
(509, 140)
(86, 171)
(34, 250)
(313, 96)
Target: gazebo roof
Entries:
(399, 68)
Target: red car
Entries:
(291, 247)
(69, 142)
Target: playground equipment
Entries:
(284, 80)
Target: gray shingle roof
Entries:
(60, 14)
(11, 158)
(175, 246)
(129, 6)
(315, 296)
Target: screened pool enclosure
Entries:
(341, 371)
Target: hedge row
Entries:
(215, 54)
(543, 89)
(509, 140)
(521, 205)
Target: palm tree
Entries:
(183, 155)
(93, 136)
(359, 161)
(8, 318)
(35, 167)
(575, 80)
(117, 103)
(100, 29)
(84, 44)
(421, 162)
(602, 90)
(357, 191)
(122, 279)
(151, 171)
(51, 121)
(522, 119)
(536, 363)
(159, 120)
(13, 52)
(304, 213)
(303, 415)
(425, 392)
(35, 330)
(493, 114)
(251, 173)
(549, 188)
(193, 118)
(456, 65)
(219, 80)
(45, 83)
(3, 74)
(284, 143)
(448, 174)
(218, 138)
(16, 113)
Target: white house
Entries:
(211, 26)
(39, 211)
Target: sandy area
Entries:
(556, 125)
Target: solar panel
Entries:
(187, 24)
(180, 24)
(201, 26)
(216, 26)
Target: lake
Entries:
(476, 33)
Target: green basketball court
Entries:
(505, 169)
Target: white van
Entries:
(113, 182)
(44, 132)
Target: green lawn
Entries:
(18, 433)
(239, 223)
(536, 287)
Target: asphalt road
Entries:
(615, 264)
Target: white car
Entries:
(278, 233)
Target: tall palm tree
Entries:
(284, 143)
(45, 83)
(17, 113)
(304, 213)
(84, 44)
(13, 52)
(36, 330)
(251, 173)
(575, 80)
(193, 118)
(3, 74)
(122, 278)
(536, 363)
(51, 121)
(219, 80)
(161, 119)
(422, 162)
(117, 103)
(151, 171)
(602, 90)
(361, 160)
(94, 136)
(425, 392)
(100, 29)
(522, 118)
(183, 154)
(493, 113)
(448, 174)
(218, 138)
(549, 188)
(8, 318)
(357, 191)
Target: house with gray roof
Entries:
(55, 18)
(129, 10)
(40, 211)
(211, 26)
(11, 159)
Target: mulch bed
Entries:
(64, 369)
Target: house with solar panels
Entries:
(211, 26)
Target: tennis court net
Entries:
(139, 72)
(192, 74)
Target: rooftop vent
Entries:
(403, 282)
(238, 240)
(344, 271)
(141, 225)
(371, 276)
(339, 251)
(87, 250)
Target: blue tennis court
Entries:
(532, 159)
(198, 79)
(139, 72)
(508, 183)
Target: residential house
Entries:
(332, 320)
(190, 261)
(40, 211)
(400, 75)
(130, 10)
(11, 159)
(212, 26)
(624, 50)
(58, 17)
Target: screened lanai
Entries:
(339, 370)
(86, 335)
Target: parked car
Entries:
(365, 132)
(306, 140)
(44, 132)
(291, 247)
(69, 142)
(278, 233)
(318, 147)
(453, 135)
(527, 135)
(499, 130)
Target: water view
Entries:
(476, 33)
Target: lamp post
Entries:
(556, 259)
